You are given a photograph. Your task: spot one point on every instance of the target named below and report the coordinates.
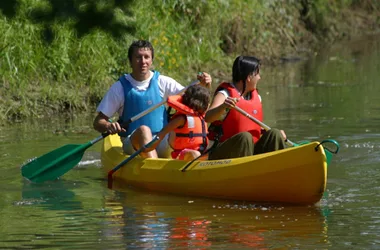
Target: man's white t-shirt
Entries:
(113, 101)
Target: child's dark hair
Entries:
(138, 45)
(243, 67)
(197, 98)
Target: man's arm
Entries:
(102, 124)
(205, 79)
(169, 86)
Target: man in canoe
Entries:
(135, 93)
(187, 128)
(230, 128)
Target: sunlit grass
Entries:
(73, 73)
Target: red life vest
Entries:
(193, 135)
(235, 122)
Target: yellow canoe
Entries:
(295, 175)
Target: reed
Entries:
(50, 67)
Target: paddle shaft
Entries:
(112, 171)
(132, 156)
(145, 112)
(54, 164)
(263, 125)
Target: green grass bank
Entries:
(61, 56)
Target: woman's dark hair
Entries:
(138, 45)
(197, 98)
(243, 67)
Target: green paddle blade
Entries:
(331, 147)
(329, 156)
(327, 153)
(55, 163)
(301, 143)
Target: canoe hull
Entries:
(295, 175)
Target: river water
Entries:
(333, 95)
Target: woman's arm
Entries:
(218, 106)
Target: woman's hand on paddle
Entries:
(205, 79)
(114, 127)
(283, 135)
(230, 102)
(219, 106)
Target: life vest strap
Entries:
(190, 135)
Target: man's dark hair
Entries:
(137, 45)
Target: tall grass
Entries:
(72, 72)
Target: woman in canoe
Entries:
(235, 134)
(187, 128)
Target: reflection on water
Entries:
(72, 215)
(52, 195)
(148, 220)
(333, 95)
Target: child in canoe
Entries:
(187, 128)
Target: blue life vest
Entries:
(136, 102)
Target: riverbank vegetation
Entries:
(61, 56)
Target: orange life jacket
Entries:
(234, 122)
(193, 135)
